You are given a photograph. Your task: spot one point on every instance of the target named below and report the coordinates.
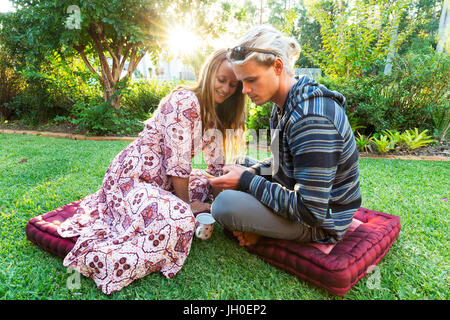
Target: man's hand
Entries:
(230, 178)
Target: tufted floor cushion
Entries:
(42, 230)
(335, 267)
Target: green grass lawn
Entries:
(59, 171)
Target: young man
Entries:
(312, 190)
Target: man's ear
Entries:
(278, 66)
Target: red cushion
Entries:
(334, 267)
(42, 230)
(347, 262)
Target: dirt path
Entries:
(68, 135)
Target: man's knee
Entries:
(223, 209)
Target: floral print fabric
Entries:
(134, 225)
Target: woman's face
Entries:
(225, 83)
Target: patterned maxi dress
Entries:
(134, 225)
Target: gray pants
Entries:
(240, 211)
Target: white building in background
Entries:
(165, 70)
(175, 70)
(312, 73)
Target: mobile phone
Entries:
(208, 175)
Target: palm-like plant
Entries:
(413, 139)
(383, 144)
(396, 137)
(363, 142)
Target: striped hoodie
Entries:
(313, 176)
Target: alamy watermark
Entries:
(374, 279)
(73, 21)
(234, 144)
(73, 282)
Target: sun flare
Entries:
(182, 41)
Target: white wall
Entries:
(165, 70)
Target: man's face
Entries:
(260, 82)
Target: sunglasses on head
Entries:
(239, 53)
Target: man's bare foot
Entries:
(246, 238)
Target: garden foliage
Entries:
(416, 94)
(44, 80)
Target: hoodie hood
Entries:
(307, 89)
(306, 97)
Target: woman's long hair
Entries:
(223, 116)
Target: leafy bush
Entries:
(415, 95)
(139, 100)
(392, 139)
(33, 104)
(354, 38)
(258, 117)
(51, 90)
(99, 118)
(363, 142)
(417, 92)
(396, 137)
(383, 144)
(142, 97)
(365, 106)
(413, 139)
(11, 84)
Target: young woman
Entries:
(142, 218)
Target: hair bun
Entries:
(293, 49)
(267, 37)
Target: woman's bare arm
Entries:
(181, 186)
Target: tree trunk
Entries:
(392, 44)
(443, 26)
(111, 76)
(260, 11)
(115, 103)
(444, 133)
(108, 93)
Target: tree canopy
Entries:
(119, 30)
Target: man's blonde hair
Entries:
(268, 38)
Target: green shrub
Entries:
(33, 104)
(413, 139)
(364, 143)
(416, 94)
(51, 90)
(383, 144)
(355, 124)
(365, 107)
(396, 137)
(258, 117)
(98, 117)
(11, 84)
(139, 100)
(392, 139)
(142, 97)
